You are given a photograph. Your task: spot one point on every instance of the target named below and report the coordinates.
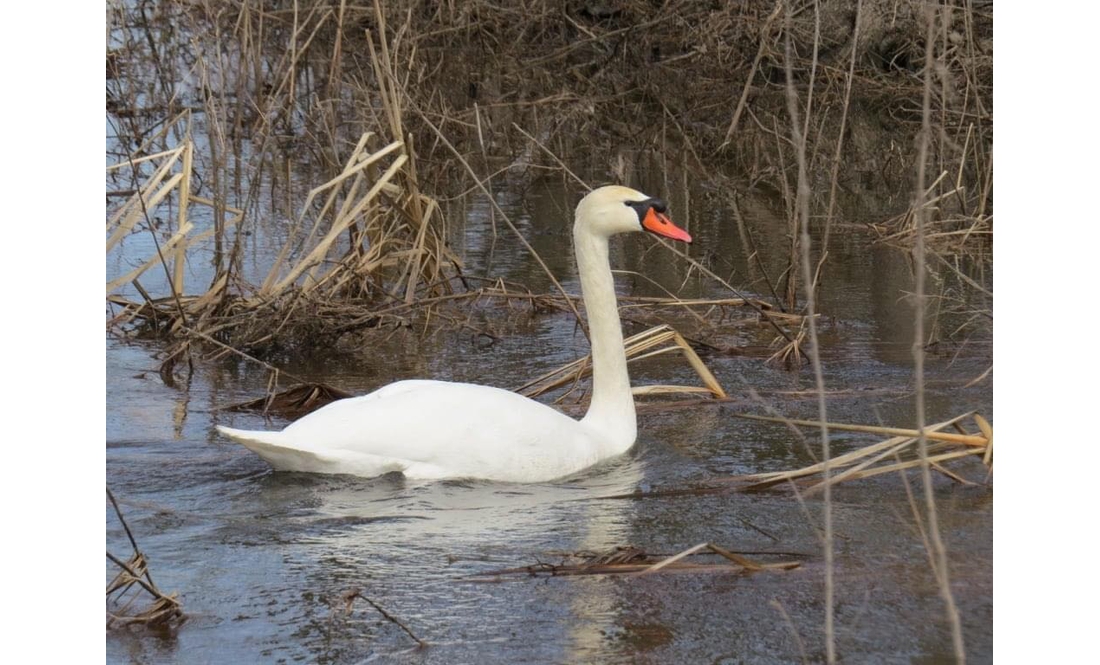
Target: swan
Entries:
(438, 429)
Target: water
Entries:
(262, 560)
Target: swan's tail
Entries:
(284, 455)
(277, 453)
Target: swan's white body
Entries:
(436, 429)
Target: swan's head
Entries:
(614, 209)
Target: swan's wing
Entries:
(440, 429)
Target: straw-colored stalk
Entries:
(125, 589)
(801, 222)
(634, 561)
(371, 211)
(744, 562)
(655, 341)
(861, 463)
(939, 550)
(154, 191)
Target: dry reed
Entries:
(890, 455)
(311, 81)
(134, 582)
(636, 562)
(653, 342)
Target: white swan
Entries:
(437, 429)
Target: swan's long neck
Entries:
(612, 410)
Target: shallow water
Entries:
(262, 559)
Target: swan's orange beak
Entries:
(660, 224)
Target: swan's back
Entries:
(432, 429)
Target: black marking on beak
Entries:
(642, 207)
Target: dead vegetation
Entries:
(631, 560)
(348, 598)
(892, 455)
(895, 455)
(653, 342)
(329, 119)
(134, 583)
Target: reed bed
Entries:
(337, 96)
(374, 235)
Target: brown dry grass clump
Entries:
(222, 112)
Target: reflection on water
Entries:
(263, 559)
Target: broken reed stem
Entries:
(125, 526)
(802, 200)
(965, 439)
(672, 559)
(135, 575)
(760, 51)
(813, 69)
(389, 617)
(492, 200)
(876, 452)
(164, 607)
(636, 347)
(744, 562)
(557, 159)
(840, 135)
(774, 602)
(153, 234)
(920, 213)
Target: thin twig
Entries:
(803, 212)
(920, 213)
(389, 617)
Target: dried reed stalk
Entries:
(861, 463)
(636, 562)
(645, 344)
(802, 215)
(125, 589)
(152, 192)
(978, 440)
(938, 552)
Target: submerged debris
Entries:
(348, 599)
(293, 402)
(634, 560)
